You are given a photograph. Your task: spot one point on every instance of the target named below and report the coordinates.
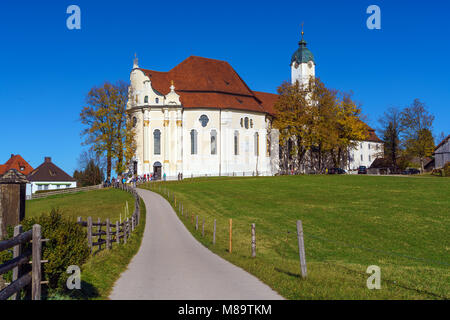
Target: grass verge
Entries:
(350, 222)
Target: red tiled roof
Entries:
(268, 100)
(372, 136)
(203, 82)
(18, 163)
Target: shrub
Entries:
(67, 246)
(447, 169)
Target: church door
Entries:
(157, 171)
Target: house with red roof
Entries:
(16, 162)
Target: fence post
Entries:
(196, 223)
(36, 263)
(214, 233)
(17, 251)
(231, 233)
(99, 230)
(203, 228)
(108, 234)
(117, 232)
(301, 248)
(125, 230)
(89, 232)
(253, 240)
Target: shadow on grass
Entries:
(87, 291)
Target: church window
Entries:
(242, 122)
(156, 100)
(193, 141)
(134, 122)
(361, 157)
(204, 120)
(251, 123)
(236, 143)
(369, 158)
(213, 142)
(157, 142)
(146, 99)
(256, 144)
(246, 123)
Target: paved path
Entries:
(171, 264)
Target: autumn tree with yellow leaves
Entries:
(109, 130)
(317, 126)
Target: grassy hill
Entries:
(400, 224)
(104, 203)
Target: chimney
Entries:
(47, 159)
(12, 155)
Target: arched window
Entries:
(256, 144)
(156, 100)
(193, 141)
(157, 142)
(251, 123)
(146, 99)
(204, 120)
(246, 122)
(213, 142)
(134, 122)
(236, 143)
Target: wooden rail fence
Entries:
(63, 191)
(22, 277)
(106, 233)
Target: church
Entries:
(201, 119)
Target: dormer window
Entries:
(22, 168)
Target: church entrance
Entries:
(157, 170)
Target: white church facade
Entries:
(198, 119)
(201, 118)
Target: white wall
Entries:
(50, 185)
(364, 154)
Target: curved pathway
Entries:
(172, 265)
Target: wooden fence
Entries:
(105, 233)
(22, 277)
(63, 191)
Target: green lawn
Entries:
(400, 224)
(103, 268)
(104, 203)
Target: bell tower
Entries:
(303, 66)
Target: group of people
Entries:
(137, 179)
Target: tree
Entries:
(390, 129)
(90, 171)
(417, 125)
(290, 111)
(348, 127)
(107, 128)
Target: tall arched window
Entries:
(236, 143)
(157, 141)
(213, 142)
(146, 99)
(193, 141)
(246, 123)
(256, 144)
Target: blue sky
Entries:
(46, 69)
